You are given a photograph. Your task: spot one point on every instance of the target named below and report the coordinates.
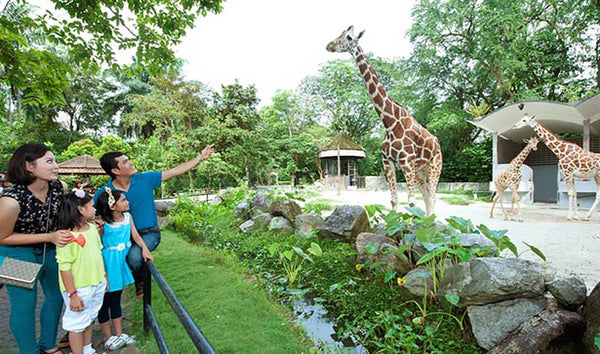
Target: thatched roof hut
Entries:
(340, 157)
(81, 165)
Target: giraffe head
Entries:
(533, 142)
(526, 120)
(345, 42)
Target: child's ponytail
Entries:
(68, 216)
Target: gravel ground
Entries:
(570, 247)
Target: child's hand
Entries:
(147, 255)
(76, 303)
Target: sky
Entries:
(274, 44)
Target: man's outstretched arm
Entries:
(188, 165)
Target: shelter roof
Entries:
(83, 165)
(556, 116)
(342, 143)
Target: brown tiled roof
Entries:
(84, 164)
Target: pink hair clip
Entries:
(79, 193)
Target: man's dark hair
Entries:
(108, 162)
(17, 166)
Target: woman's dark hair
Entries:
(17, 166)
(102, 207)
(68, 215)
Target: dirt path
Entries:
(570, 247)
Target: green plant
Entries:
(597, 341)
(499, 238)
(456, 200)
(319, 205)
(293, 259)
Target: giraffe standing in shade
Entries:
(573, 161)
(510, 178)
(407, 144)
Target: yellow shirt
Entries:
(85, 262)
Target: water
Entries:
(320, 328)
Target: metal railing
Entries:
(186, 320)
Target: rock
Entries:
(306, 223)
(477, 241)
(345, 223)
(281, 225)
(243, 210)
(591, 309)
(289, 209)
(380, 229)
(216, 200)
(261, 202)
(492, 323)
(386, 252)
(557, 331)
(487, 280)
(570, 292)
(256, 223)
(163, 205)
(418, 284)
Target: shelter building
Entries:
(340, 159)
(581, 120)
(84, 165)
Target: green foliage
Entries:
(455, 200)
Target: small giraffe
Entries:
(573, 161)
(510, 178)
(407, 144)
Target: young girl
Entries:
(82, 276)
(119, 229)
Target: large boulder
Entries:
(487, 280)
(418, 284)
(570, 291)
(345, 223)
(386, 252)
(162, 206)
(306, 223)
(256, 223)
(552, 331)
(243, 210)
(591, 309)
(289, 209)
(281, 225)
(492, 323)
(261, 202)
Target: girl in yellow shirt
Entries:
(82, 276)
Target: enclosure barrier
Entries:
(150, 322)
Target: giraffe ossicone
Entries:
(573, 161)
(407, 144)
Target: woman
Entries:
(28, 222)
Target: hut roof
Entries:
(343, 142)
(556, 116)
(84, 164)
(343, 145)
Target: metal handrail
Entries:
(194, 332)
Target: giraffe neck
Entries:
(520, 158)
(375, 88)
(552, 141)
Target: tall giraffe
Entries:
(510, 178)
(573, 161)
(407, 145)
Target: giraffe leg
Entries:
(435, 170)
(501, 200)
(420, 181)
(409, 175)
(597, 201)
(390, 176)
(572, 198)
(515, 200)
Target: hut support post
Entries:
(494, 154)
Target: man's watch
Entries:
(199, 158)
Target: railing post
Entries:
(147, 299)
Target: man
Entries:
(139, 191)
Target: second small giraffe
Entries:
(510, 179)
